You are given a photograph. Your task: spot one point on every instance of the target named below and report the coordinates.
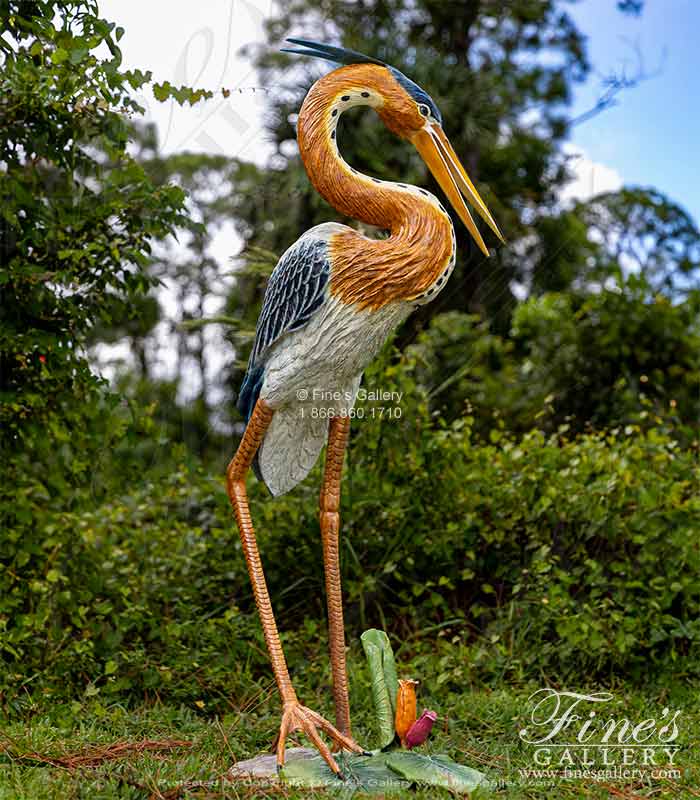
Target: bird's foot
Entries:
(296, 717)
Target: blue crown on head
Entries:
(345, 56)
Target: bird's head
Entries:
(408, 111)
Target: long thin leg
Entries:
(235, 479)
(338, 431)
(294, 715)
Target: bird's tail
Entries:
(250, 390)
(290, 448)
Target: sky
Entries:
(197, 44)
(652, 137)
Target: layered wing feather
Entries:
(296, 290)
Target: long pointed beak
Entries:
(436, 150)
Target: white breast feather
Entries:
(305, 371)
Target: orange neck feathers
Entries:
(368, 272)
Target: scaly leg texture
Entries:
(294, 715)
(330, 529)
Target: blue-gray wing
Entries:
(296, 289)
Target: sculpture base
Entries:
(380, 773)
(265, 765)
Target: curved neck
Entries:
(350, 192)
(418, 254)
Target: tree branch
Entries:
(617, 82)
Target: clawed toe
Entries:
(296, 717)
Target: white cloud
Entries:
(199, 45)
(590, 177)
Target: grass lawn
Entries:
(97, 749)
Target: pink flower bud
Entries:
(420, 730)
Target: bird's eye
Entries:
(424, 110)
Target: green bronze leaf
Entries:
(382, 773)
(385, 685)
(366, 774)
(381, 640)
(437, 770)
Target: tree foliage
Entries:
(78, 213)
(642, 232)
(585, 360)
(183, 321)
(78, 216)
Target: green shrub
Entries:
(604, 358)
(572, 358)
(132, 597)
(577, 556)
(570, 553)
